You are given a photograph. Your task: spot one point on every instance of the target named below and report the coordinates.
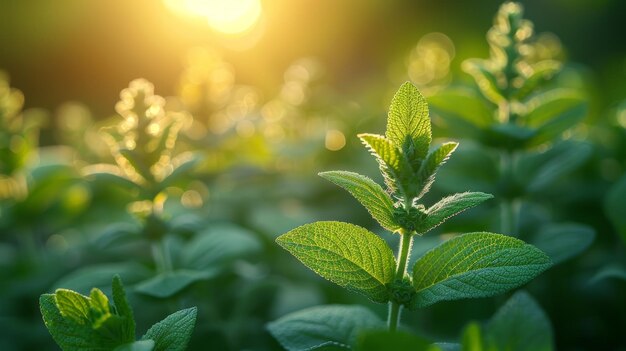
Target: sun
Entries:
(225, 16)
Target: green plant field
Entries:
(315, 175)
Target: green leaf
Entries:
(73, 305)
(540, 170)
(563, 241)
(520, 325)
(393, 163)
(322, 326)
(173, 333)
(169, 284)
(614, 206)
(462, 106)
(408, 123)
(475, 265)
(554, 112)
(613, 271)
(68, 334)
(100, 275)
(182, 170)
(435, 159)
(215, 248)
(377, 340)
(485, 79)
(345, 254)
(368, 193)
(449, 207)
(141, 345)
(123, 308)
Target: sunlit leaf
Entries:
(475, 265)
(451, 206)
(393, 163)
(368, 193)
(408, 123)
(345, 254)
(435, 159)
(485, 79)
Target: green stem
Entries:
(161, 256)
(404, 251)
(509, 206)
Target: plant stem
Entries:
(161, 256)
(404, 251)
(509, 207)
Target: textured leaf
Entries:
(520, 325)
(563, 241)
(485, 80)
(141, 345)
(377, 340)
(322, 326)
(451, 206)
(408, 123)
(368, 193)
(393, 163)
(68, 334)
(123, 308)
(173, 333)
(475, 265)
(346, 254)
(168, 284)
(435, 159)
(461, 106)
(73, 305)
(614, 206)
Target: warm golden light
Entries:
(226, 16)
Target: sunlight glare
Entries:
(226, 16)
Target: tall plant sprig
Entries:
(470, 265)
(516, 109)
(143, 148)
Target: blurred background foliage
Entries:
(183, 185)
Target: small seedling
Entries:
(78, 323)
(468, 266)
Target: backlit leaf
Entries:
(435, 159)
(408, 123)
(368, 193)
(393, 163)
(475, 265)
(346, 254)
(451, 206)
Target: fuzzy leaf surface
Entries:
(408, 123)
(68, 334)
(434, 160)
(123, 308)
(323, 326)
(475, 265)
(345, 254)
(393, 163)
(377, 202)
(450, 206)
(173, 333)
